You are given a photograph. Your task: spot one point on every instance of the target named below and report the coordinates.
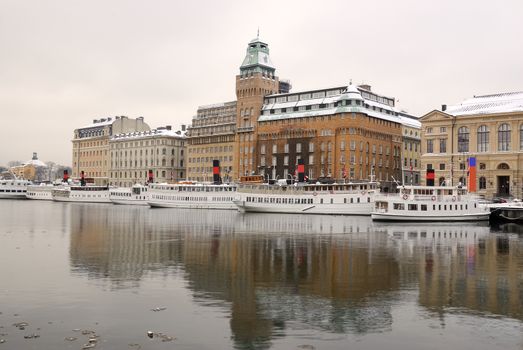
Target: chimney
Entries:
(168, 127)
(365, 87)
(216, 172)
(183, 127)
(301, 171)
(95, 121)
(443, 108)
(35, 157)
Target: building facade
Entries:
(135, 155)
(488, 128)
(29, 170)
(256, 80)
(344, 132)
(91, 145)
(411, 150)
(211, 136)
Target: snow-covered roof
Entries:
(257, 58)
(411, 122)
(98, 123)
(35, 162)
(364, 105)
(489, 104)
(150, 133)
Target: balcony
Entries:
(245, 129)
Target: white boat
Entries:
(41, 192)
(14, 188)
(429, 203)
(299, 198)
(85, 194)
(136, 195)
(192, 195)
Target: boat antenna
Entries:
(395, 181)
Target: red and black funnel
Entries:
(430, 177)
(216, 172)
(82, 178)
(301, 171)
(150, 176)
(66, 176)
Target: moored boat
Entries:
(192, 195)
(14, 188)
(303, 198)
(135, 195)
(429, 203)
(85, 194)
(42, 191)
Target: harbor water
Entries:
(101, 275)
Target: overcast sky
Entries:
(64, 63)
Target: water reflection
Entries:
(276, 273)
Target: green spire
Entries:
(257, 58)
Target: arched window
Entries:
(504, 137)
(441, 181)
(483, 136)
(463, 139)
(463, 180)
(482, 183)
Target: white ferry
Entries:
(14, 188)
(192, 195)
(40, 192)
(136, 195)
(85, 194)
(429, 203)
(299, 198)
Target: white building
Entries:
(134, 155)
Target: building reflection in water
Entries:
(339, 274)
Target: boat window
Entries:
(352, 200)
(399, 206)
(434, 207)
(321, 201)
(439, 207)
(445, 207)
(332, 200)
(466, 206)
(344, 200)
(413, 207)
(368, 199)
(358, 199)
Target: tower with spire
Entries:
(257, 79)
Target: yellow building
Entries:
(91, 146)
(29, 169)
(211, 137)
(489, 128)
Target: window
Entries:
(443, 146)
(430, 146)
(429, 131)
(463, 139)
(482, 166)
(311, 147)
(442, 129)
(442, 166)
(262, 149)
(298, 148)
(483, 135)
(504, 137)
(274, 148)
(482, 183)
(286, 148)
(521, 137)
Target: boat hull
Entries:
(141, 202)
(16, 195)
(327, 208)
(483, 216)
(193, 205)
